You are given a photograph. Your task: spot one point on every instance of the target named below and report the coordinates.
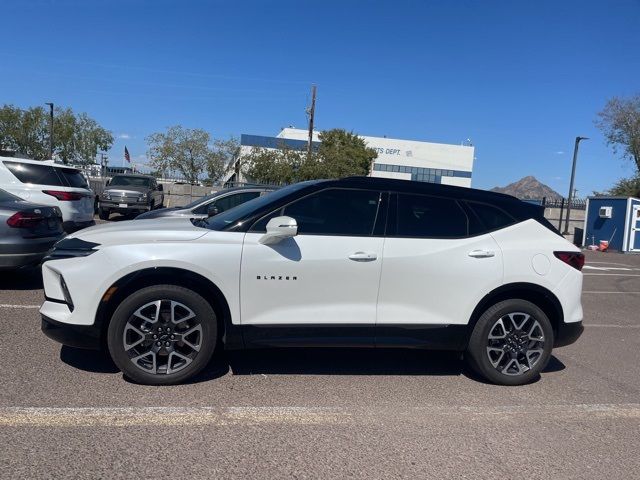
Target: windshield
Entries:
(7, 197)
(130, 182)
(200, 200)
(233, 215)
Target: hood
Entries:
(134, 232)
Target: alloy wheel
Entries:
(162, 337)
(515, 343)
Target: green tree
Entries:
(187, 151)
(77, 137)
(619, 121)
(626, 187)
(340, 154)
(225, 153)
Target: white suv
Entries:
(352, 262)
(48, 183)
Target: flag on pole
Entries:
(127, 157)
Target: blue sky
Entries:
(521, 79)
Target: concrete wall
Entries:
(178, 195)
(576, 223)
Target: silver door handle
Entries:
(482, 253)
(363, 257)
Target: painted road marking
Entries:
(604, 325)
(5, 305)
(160, 416)
(612, 274)
(187, 416)
(604, 291)
(589, 267)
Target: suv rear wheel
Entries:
(511, 343)
(162, 335)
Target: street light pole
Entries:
(50, 130)
(573, 175)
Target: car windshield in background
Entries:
(200, 200)
(7, 197)
(130, 182)
(233, 215)
(46, 174)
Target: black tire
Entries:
(103, 214)
(142, 369)
(492, 358)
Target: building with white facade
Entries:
(403, 159)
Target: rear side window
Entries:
(46, 175)
(424, 216)
(72, 177)
(492, 218)
(34, 173)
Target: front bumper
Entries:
(124, 207)
(78, 336)
(568, 333)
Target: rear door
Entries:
(434, 272)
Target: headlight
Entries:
(143, 196)
(70, 248)
(106, 195)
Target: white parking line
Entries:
(603, 325)
(613, 274)
(604, 291)
(219, 416)
(6, 305)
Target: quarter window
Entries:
(429, 217)
(491, 217)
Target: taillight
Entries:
(574, 259)
(24, 220)
(64, 196)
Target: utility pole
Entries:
(50, 129)
(311, 111)
(573, 175)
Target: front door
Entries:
(327, 274)
(634, 242)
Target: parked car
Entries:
(210, 205)
(48, 183)
(127, 194)
(27, 231)
(351, 262)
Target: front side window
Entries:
(336, 212)
(424, 216)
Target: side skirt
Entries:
(431, 337)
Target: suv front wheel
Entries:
(511, 343)
(162, 335)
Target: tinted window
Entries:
(72, 177)
(130, 181)
(335, 212)
(431, 217)
(7, 197)
(34, 173)
(491, 217)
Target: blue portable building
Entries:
(614, 219)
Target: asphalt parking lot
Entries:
(327, 413)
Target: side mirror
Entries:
(278, 229)
(108, 183)
(160, 187)
(212, 210)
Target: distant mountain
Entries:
(528, 187)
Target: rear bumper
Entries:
(78, 336)
(568, 333)
(25, 254)
(72, 226)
